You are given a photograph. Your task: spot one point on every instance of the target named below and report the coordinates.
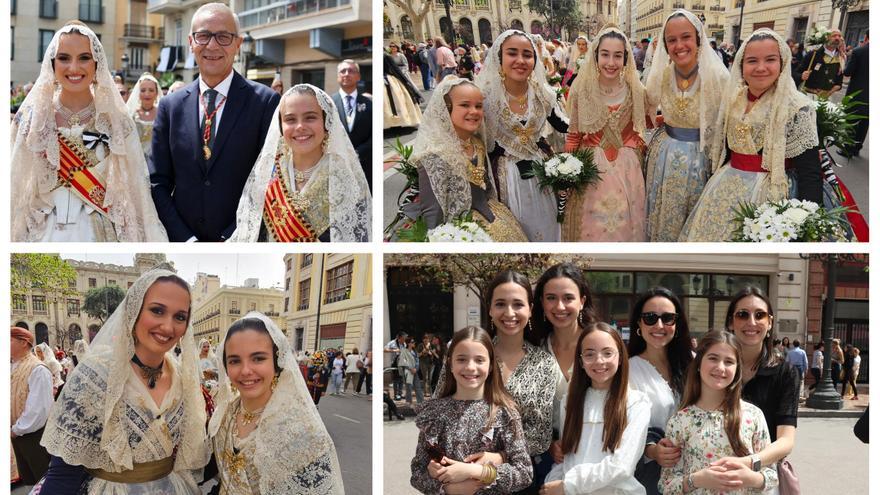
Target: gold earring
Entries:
(530, 325)
(503, 75)
(274, 382)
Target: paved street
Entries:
(348, 419)
(826, 455)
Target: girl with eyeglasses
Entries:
(768, 381)
(714, 421)
(661, 353)
(604, 422)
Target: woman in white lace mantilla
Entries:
(142, 106)
(454, 176)
(79, 171)
(576, 58)
(307, 184)
(767, 128)
(518, 104)
(268, 437)
(130, 419)
(687, 85)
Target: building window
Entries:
(287, 284)
(288, 264)
(130, 284)
(253, 306)
(178, 32)
(48, 10)
(234, 307)
(286, 304)
(93, 283)
(19, 302)
(12, 38)
(339, 283)
(72, 283)
(12, 9)
(39, 303)
(45, 39)
(799, 31)
(111, 282)
(304, 289)
(91, 11)
(306, 260)
(73, 307)
(271, 308)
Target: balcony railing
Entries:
(280, 11)
(140, 31)
(481, 4)
(716, 8)
(235, 311)
(272, 313)
(715, 26)
(678, 5)
(698, 7)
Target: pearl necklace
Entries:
(72, 118)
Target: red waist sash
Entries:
(284, 221)
(74, 174)
(751, 163)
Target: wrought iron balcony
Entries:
(140, 31)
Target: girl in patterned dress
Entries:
(472, 413)
(604, 421)
(715, 422)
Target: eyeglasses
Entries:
(204, 37)
(744, 315)
(593, 356)
(650, 318)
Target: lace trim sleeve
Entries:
(800, 132)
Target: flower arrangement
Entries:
(836, 122)
(818, 37)
(789, 220)
(410, 191)
(564, 173)
(460, 229)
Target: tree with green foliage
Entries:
(46, 272)
(102, 301)
(559, 14)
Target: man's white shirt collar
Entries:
(222, 88)
(354, 94)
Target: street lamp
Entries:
(247, 49)
(124, 66)
(826, 396)
(742, 7)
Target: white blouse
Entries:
(593, 471)
(645, 378)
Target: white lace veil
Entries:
(437, 138)
(585, 90)
(791, 127)
(134, 99)
(290, 436)
(574, 53)
(542, 97)
(80, 348)
(49, 358)
(35, 154)
(713, 77)
(107, 367)
(349, 195)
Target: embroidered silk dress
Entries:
(702, 439)
(145, 132)
(457, 428)
(309, 207)
(614, 208)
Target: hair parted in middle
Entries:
(570, 271)
(505, 277)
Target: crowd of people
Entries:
(549, 399)
(681, 131)
(142, 409)
(221, 158)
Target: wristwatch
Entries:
(756, 463)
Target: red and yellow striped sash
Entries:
(284, 221)
(74, 173)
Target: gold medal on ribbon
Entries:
(207, 152)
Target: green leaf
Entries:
(415, 232)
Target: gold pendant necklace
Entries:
(248, 417)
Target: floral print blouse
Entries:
(458, 428)
(701, 435)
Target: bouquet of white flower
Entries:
(566, 172)
(459, 229)
(818, 37)
(789, 220)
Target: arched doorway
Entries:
(516, 24)
(537, 28)
(93, 330)
(407, 28)
(466, 31)
(74, 333)
(42, 333)
(485, 30)
(22, 325)
(445, 28)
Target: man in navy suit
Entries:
(208, 135)
(356, 113)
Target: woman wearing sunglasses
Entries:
(661, 352)
(769, 382)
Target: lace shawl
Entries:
(89, 425)
(35, 153)
(437, 148)
(574, 54)
(49, 358)
(791, 127)
(501, 122)
(585, 98)
(712, 75)
(294, 453)
(349, 196)
(134, 100)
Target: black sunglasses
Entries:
(651, 318)
(744, 315)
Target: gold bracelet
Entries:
(493, 474)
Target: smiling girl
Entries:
(605, 423)
(307, 184)
(142, 106)
(472, 414)
(715, 422)
(608, 113)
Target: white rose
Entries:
(796, 215)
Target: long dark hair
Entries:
(505, 277)
(678, 351)
(494, 392)
(542, 327)
(730, 406)
(255, 324)
(768, 357)
(614, 413)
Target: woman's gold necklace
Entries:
(520, 101)
(248, 417)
